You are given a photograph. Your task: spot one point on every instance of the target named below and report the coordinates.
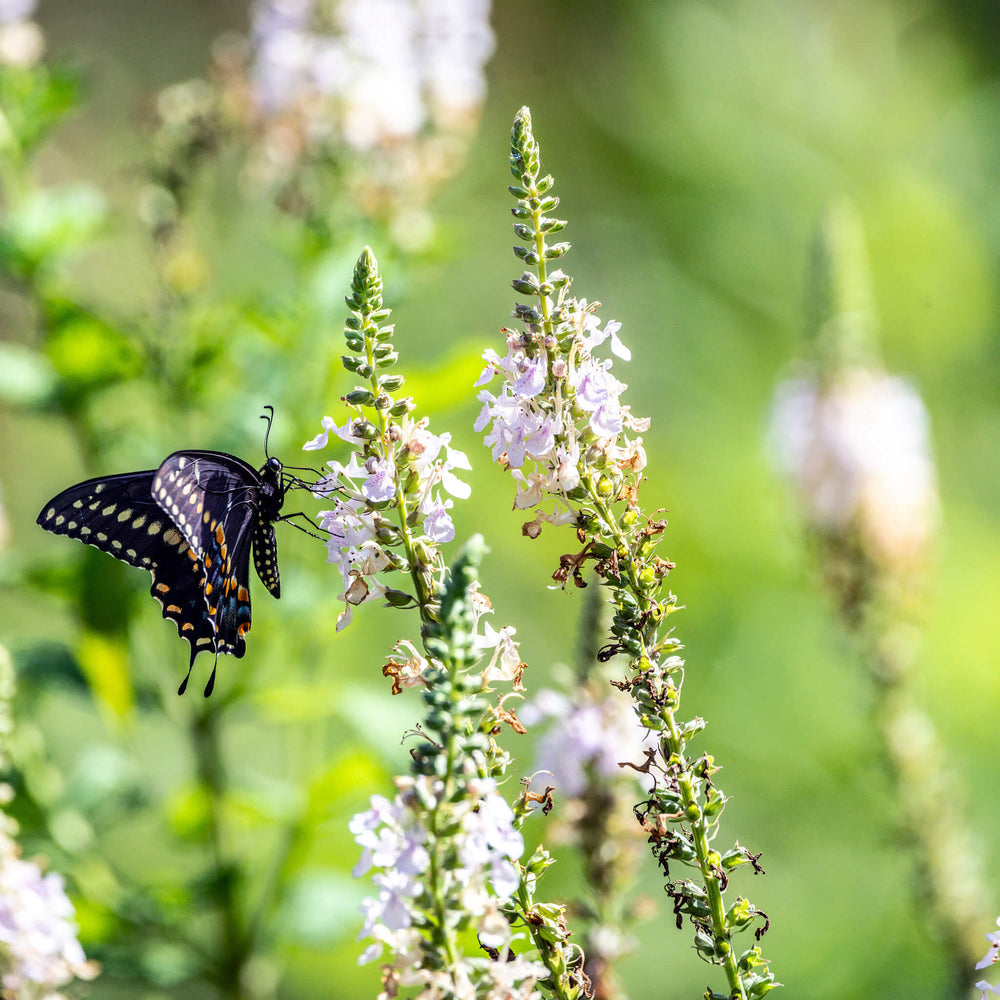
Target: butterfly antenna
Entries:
(269, 417)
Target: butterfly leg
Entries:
(302, 513)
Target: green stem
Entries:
(675, 744)
(542, 944)
(211, 773)
(445, 937)
(424, 597)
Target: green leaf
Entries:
(104, 662)
(50, 223)
(86, 351)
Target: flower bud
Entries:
(360, 397)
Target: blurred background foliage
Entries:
(695, 145)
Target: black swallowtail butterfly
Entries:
(191, 523)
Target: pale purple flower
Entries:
(490, 840)
(381, 482)
(494, 363)
(438, 525)
(380, 69)
(532, 376)
(16, 10)
(588, 738)
(597, 392)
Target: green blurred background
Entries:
(694, 145)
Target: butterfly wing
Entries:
(213, 499)
(117, 514)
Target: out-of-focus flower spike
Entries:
(840, 307)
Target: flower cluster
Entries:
(558, 410)
(857, 449)
(394, 841)
(446, 850)
(39, 950)
(21, 40)
(390, 511)
(854, 442)
(387, 92)
(586, 754)
(381, 69)
(591, 736)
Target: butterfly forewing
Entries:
(117, 514)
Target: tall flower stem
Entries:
(559, 425)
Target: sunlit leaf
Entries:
(104, 662)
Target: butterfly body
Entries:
(192, 523)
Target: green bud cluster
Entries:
(371, 340)
(533, 226)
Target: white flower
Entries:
(858, 452)
(991, 956)
(21, 44)
(320, 441)
(515, 978)
(506, 660)
(490, 840)
(424, 448)
(37, 936)
(596, 337)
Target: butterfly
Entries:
(192, 523)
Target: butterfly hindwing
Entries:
(214, 499)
